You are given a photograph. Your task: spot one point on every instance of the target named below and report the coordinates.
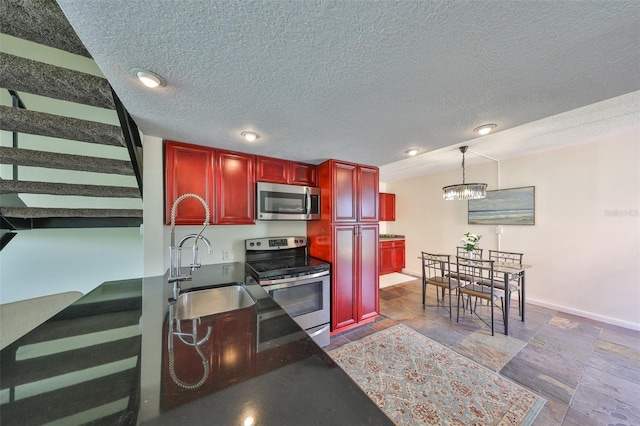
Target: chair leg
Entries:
(504, 313)
(492, 306)
(458, 307)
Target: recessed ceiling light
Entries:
(411, 152)
(148, 78)
(485, 129)
(250, 136)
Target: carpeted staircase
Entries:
(42, 22)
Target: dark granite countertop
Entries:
(104, 360)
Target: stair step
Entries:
(53, 188)
(45, 212)
(53, 160)
(56, 126)
(39, 78)
(41, 22)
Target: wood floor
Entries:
(588, 371)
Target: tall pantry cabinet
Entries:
(347, 236)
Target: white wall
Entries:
(585, 246)
(222, 237)
(41, 262)
(47, 261)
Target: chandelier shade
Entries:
(464, 191)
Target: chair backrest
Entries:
(475, 270)
(436, 265)
(505, 256)
(477, 252)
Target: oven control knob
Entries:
(251, 244)
(259, 243)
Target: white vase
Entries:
(470, 255)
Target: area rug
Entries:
(416, 380)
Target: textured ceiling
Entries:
(358, 80)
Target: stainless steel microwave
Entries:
(276, 201)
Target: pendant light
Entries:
(464, 191)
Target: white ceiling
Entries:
(364, 81)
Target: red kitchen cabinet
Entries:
(235, 193)
(189, 169)
(368, 280)
(224, 179)
(276, 170)
(386, 257)
(352, 191)
(399, 256)
(344, 306)
(355, 294)
(347, 237)
(368, 183)
(272, 170)
(303, 174)
(387, 207)
(392, 256)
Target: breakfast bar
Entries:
(108, 353)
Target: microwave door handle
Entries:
(307, 193)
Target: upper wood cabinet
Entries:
(224, 179)
(303, 174)
(368, 193)
(352, 191)
(387, 207)
(189, 169)
(235, 189)
(272, 170)
(276, 170)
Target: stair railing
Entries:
(131, 138)
(16, 102)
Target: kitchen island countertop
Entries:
(105, 359)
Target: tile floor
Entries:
(588, 371)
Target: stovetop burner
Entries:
(281, 257)
(294, 266)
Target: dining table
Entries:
(509, 271)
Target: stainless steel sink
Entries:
(212, 301)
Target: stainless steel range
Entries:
(299, 283)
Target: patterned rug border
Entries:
(526, 420)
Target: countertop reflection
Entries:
(262, 367)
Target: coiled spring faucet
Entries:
(175, 273)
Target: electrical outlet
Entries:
(226, 254)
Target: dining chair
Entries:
(435, 271)
(477, 252)
(477, 272)
(505, 258)
(461, 251)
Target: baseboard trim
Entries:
(597, 317)
(585, 314)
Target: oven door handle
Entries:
(294, 280)
(315, 333)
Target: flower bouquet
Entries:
(470, 242)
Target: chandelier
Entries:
(464, 191)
